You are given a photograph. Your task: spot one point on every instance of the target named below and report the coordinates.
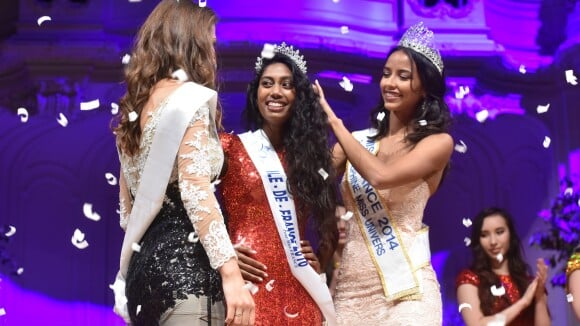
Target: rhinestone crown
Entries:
(286, 50)
(420, 39)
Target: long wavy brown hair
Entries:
(176, 35)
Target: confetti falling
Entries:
(133, 116)
(253, 288)
(138, 310)
(78, 239)
(180, 75)
(213, 185)
(461, 147)
(289, 315)
(193, 237)
(136, 247)
(62, 120)
(569, 297)
(270, 285)
(111, 179)
(568, 191)
(126, 59)
(2, 312)
(467, 241)
(546, 142)
(380, 116)
(323, 173)
(344, 29)
(542, 108)
(268, 51)
(23, 114)
(497, 291)
(499, 257)
(90, 105)
(20, 271)
(202, 3)
(467, 222)
(89, 213)
(114, 108)
(11, 231)
(482, 115)
(346, 84)
(347, 216)
(423, 123)
(43, 19)
(464, 306)
(571, 78)
(522, 69)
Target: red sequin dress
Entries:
(249, 218)
(512, 294)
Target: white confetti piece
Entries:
(467, 241)
(546, 142)
(202, 3)
(344, 29)
(461, 147)
(138, 310)
(346, 84)
(289, 315)
(542, 108)
(114, 108)
(482, 115)
(380, 116)
(133, 116)
(2, 312)
(270, 285)
(62, 120)
(19, 271)
(336, 1)
(193, 237)
(214, 184)
(347, 216)
(423, 123)
(43, 19)
(323, 173)
(499, 257)
(88, 211)
(180, 75)
(90, 105)
(118, 211)
(23, 114)
(126, 59)
(463, 306)
(111, 179)
(240, 243)
(11, 231)
(136, 247)
(253, 288)
(78, 239)
(268, 51)
(569, 298)
(135, 0)
(522, 69)
(570, 78)
(497, 291)
(467, 222)
(499, 320)
(569, 191)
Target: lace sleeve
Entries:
(125, 202)
(194, 164)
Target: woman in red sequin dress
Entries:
(573, 283)
(498, 285)
(283, 115)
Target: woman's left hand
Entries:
(542, 275)
(310, 255)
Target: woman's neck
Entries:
(398, 126)
(500, 268)
(274, 135)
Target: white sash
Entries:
(395, 265)
(182, 105)
(281, 203)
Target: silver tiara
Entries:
(420, 39)
(270, 50)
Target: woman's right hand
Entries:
(528, 296)
(240, 307)
(252, 270)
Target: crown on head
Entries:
(270, 50)
(420, 39)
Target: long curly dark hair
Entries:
(306, 147)
(482, 264)
(432, 109)
(176, 35)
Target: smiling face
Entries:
(276, 94)
(495, 236)
(400, 84)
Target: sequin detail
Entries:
(250, 218)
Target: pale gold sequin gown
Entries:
(359, 298)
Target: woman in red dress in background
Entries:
(287, 140)
(498, 285)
